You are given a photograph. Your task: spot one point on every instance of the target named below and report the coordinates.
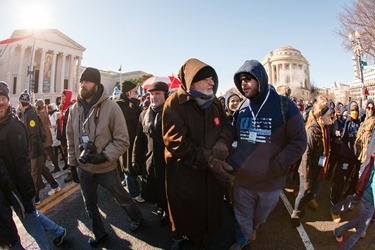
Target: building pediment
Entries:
(48, 39)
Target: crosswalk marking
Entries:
(304, 237)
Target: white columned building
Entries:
(50, 54)
(288, 69)
(55, 60)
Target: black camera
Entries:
(86, 148)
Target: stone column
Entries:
(62, 70)
(41, 70)
(9, 74)
(71, 72)
(78, 73)
(53, 70)
(20, 69)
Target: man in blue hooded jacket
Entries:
(266, 148)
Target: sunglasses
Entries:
(246, 78)
(370, 108)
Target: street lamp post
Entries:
(358, 50)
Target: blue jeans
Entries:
(133, 185)
(304, 196)
(49, 225)
(36, 230)
(112, 182)
(251, 209)
(360, 224)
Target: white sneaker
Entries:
(54, 190)
(139, 199)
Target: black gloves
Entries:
(96, 158)
(218, 169)
(16, 203)
(220, 151)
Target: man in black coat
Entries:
(129, 104)
(149, 145)
(16, 175)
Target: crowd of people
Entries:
(184, 152)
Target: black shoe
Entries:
(164, 219)
(135, 224)
(95, 242)
(69, 178)
(55, 170)
(60, 239)
(75, 178)
(177, 244)
(295, 218)
(65, 167)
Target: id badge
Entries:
(322, 161)
(252, 136)
(85, 138)
(345, 166)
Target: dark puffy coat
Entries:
(30, 119)
(131, 110)
(8, 230)
(195, 197)
(15, 154)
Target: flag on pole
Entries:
(120, 68)
(14, 39)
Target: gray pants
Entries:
(112, 182)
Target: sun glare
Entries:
(34, 15)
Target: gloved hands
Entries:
(16, 203)
(355, 199)
(220, 151)
(218, 168)
(96, 158)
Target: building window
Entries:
(14, 85)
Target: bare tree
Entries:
(139, 81)
(360, 15)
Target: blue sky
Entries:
(159, 36)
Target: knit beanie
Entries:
(126, 86)
(91, 75)
(4, 90)
(204, 73)
(24, 97)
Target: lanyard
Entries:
(261, 106)
(87, 119)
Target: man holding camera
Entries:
(97, 136)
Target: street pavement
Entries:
(67, 209)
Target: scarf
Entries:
(204, 101)
(152, 119)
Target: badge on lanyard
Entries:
(322, 161)
(252, 136)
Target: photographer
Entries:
(97, 136)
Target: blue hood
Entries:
(255, 68)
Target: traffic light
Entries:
(355, 67)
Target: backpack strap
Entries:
(284, 100)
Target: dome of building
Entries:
(288, 71)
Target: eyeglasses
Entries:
(247, 79)
(370, 108)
